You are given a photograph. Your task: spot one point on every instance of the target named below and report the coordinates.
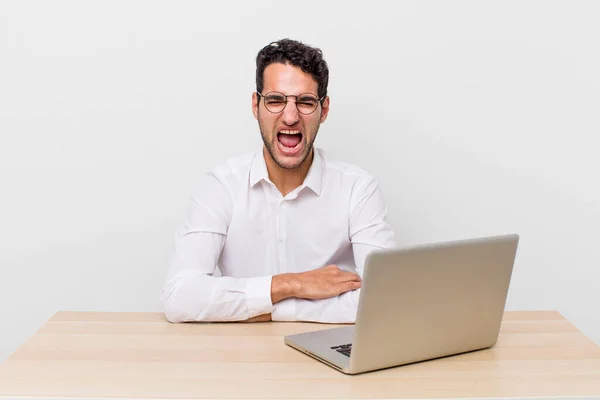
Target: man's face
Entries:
(288, 135)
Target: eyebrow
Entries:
(307, 97)
(275, 97)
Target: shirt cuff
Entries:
(285, 310)
(258, 295)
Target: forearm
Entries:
(323, 295)
(339, 309)
(193, 296)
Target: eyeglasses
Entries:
(306, 103)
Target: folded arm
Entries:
(368, 231)
(191, 292)
(328, 294)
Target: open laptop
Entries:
(420, 303)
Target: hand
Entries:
(321, 283)
(259, 318)
(326, 282)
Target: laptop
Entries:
(420, 303)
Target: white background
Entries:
(477, 118)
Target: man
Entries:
(288, 228)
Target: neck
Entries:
(286, 180)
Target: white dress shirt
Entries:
(238, 221)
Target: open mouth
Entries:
(289, 140)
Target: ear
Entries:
(255, 105)
(325, 109)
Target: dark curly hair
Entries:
(309, 59)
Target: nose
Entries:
(290, 113)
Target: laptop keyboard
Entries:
(345, 349)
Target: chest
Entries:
(273, 235)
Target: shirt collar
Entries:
(258, 171)
(313, 180)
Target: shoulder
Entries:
(234, 169)
(225, 179)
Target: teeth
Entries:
(290, 132)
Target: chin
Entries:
(287, 162)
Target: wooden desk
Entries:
(140, 355)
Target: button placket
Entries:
(282, 233)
